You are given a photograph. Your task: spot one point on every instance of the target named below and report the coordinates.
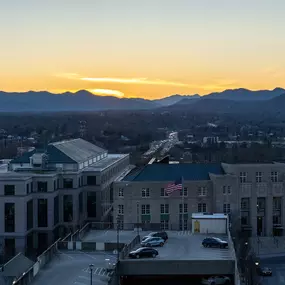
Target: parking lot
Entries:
(277, 265)
(72, 268)
(189, 247)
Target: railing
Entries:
(128, 247)
(42, 260)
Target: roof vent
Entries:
(38, 160)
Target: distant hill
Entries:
(85, 101)
(80, 101)
(208, 104)
(173, 99)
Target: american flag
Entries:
(171, 187)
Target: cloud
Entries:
(107, 92)
(144, 81)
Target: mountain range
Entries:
(231, 100)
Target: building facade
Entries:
(46, 193)
(252, 195)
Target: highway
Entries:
(278, 269)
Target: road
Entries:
(278, 269)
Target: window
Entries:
(145, 192)
(163, 193)
(54, 185)
(244, 204)
(121, 209)
(258, 177)
(27, 188)
(183, 224)
(260, 204)
(42, 186)
(80, 203)
(164, 209)
(55, 210)
(121, 192)
(164, 225)
(42, 213)
(276, 219)
(277, 203)
(227, 190)
(184, 192)
(145, 209)
(227, 208)
(274, 176)
(245, 219)
(91, 205)
(79, 182)
(67, 183)
(67, 208)
(242, 177)
(91, 180)
(30, 215)
(184, 209)
(202, 191)
(9, 190)
(9, 217)
(202, 208)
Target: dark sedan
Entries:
(265, 271)
(143, 252)
(214, 242)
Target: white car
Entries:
(217, 280)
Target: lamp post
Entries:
(91, 266)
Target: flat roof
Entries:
(72, 268)
(205, 216)
(109, 160)
(110, 236)
(188, 246)
(182, 245)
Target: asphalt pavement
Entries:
(278, 271)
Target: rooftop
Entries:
(170, 172)
(187, 246)
(72, 268)
(106, 162)
(69, 151)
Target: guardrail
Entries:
(128, 247)
(42, 260)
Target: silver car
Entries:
(153, 241)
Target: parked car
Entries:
(153, 241)
(143, 252)
(265, 271)
(216, 280)
(162, 235)
(214, 242)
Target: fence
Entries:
(42, 260)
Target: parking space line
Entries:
(96, 271)
(84, 277)
(90, 256)
(65, 254)
(101, 272)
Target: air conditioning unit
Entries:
(38, 160)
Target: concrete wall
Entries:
(176, 267)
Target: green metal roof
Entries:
(171, 172)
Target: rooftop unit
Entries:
(39, 160)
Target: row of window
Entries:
(145, 192)
(261, 203)
(258, 176)
(42, 186)
(42, 211)
(183, 208)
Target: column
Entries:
(268, 216)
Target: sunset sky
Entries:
(134, 48)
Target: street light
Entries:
(91, 266)
(256, 263)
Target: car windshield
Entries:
(218, 239)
